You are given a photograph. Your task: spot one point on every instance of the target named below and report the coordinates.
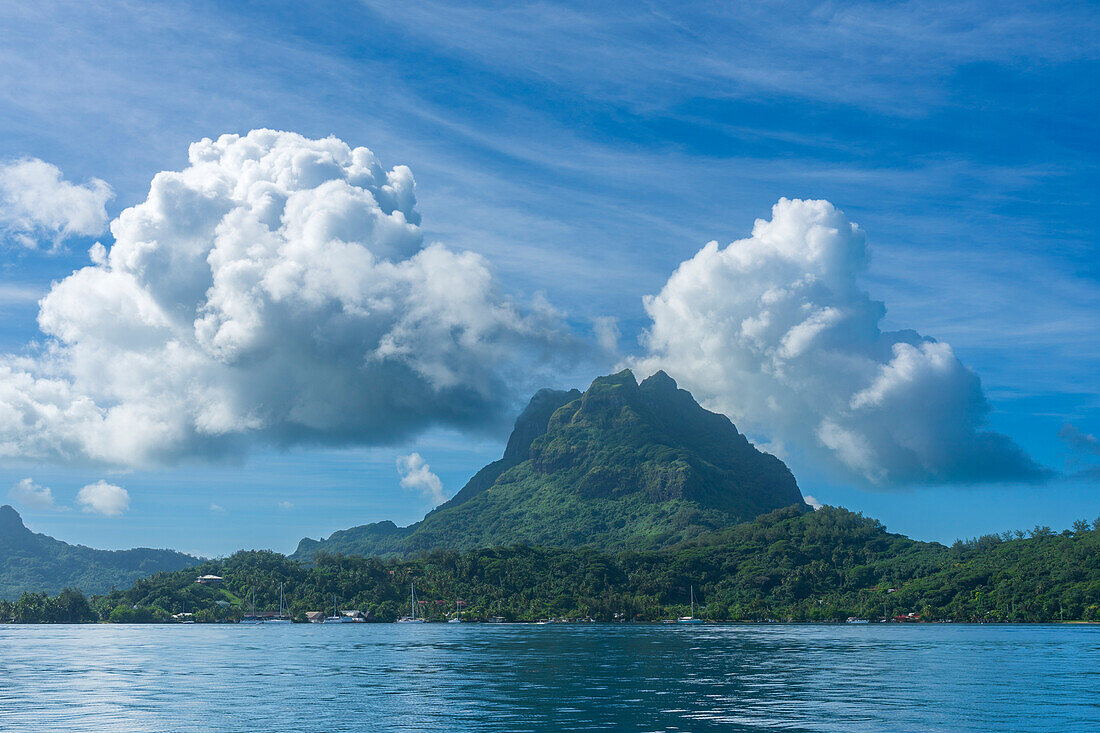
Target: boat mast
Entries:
(692, 591)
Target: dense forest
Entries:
(787, 565)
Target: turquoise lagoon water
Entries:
(478, 677)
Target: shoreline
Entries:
(673, 623)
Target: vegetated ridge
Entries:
(825, 565)
(37, 562)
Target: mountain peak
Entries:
(531, 423)
(620, 385)
(623, 465)
(10, 521)
(660, 380)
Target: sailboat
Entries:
(690, 619)
(335, 618)
(414, 619)
(457, 618)
(252, 618)
(284, 612)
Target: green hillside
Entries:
(621, 466)
(35, 562)
(789, 564)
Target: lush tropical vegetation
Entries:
(68, 607)
(787, 565)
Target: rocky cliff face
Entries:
(530, 425)
(655, 440)
(11, 525)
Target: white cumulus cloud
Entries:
(37, 202)
(27, 493)
(104, 498)
(776, 332)
(277, 289)
(416, 475)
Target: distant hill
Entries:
(38, 563)
(621, 466)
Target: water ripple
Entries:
(559, 677)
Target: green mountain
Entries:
(622, 466)
(38, 563)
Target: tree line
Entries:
(788, 565)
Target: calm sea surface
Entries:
(437, 677)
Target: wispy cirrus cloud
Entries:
(789, 49)
(20, 294)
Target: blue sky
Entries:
(586, 154)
